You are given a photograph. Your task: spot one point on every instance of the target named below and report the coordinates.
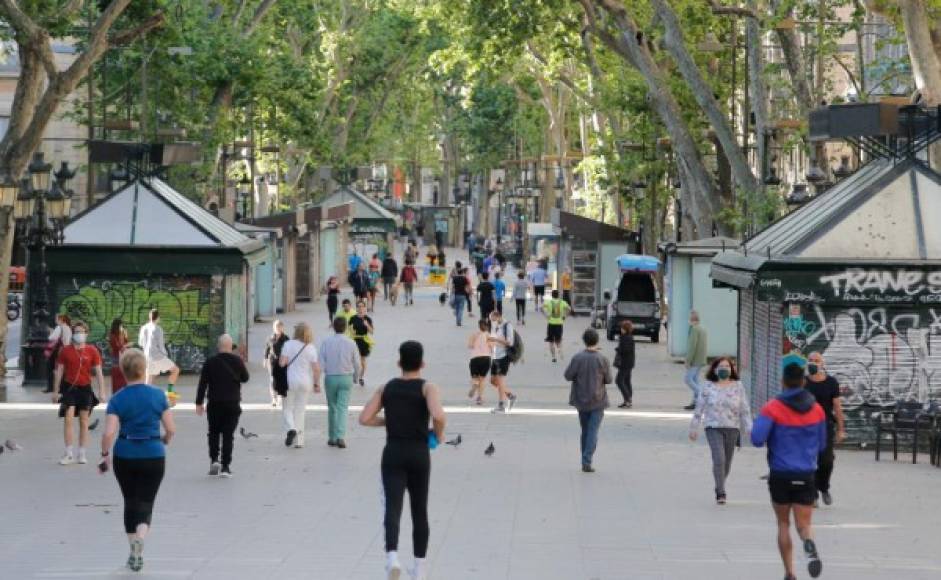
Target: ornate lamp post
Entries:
(41, 210)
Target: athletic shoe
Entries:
(553, 359)
(480, 401)
(226, 472)
(720, 499)
(214, 468)
(814, 565)
(470, 393)
(362, 383)
(331, 443)
(67, 459)
(689, 407)
(499, 408)
(393, 569)
(136, 561)
(290, 438)
(82, 458)
(341, 444)
(587, 468)
(827, 498)
(512, 399)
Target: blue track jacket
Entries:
(794, 427)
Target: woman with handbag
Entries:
(60, 336)
(117, 342)
(299, 358)
(272, 354)
(624, 362)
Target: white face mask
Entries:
(80, 337)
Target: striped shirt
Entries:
(339, 356)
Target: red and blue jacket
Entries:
(794, 427)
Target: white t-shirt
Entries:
(300, 372)
(504, 331)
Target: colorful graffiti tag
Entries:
(184, 303)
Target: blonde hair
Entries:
(277, 324)
(133, 364)
(303, 333)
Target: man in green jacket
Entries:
(696, 349)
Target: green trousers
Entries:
(338, 389)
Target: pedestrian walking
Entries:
(353, 262)
(499, 290)
(60, 336)
(220, 380)
(697, 349)
(408, 402)
(826, 389)
(340, 362)
(566, 283)
(793, 426)
(722, 408)
(441, 229)
(485, 296)
(132, 436)
(362, 330)
(347, 313)
(272, 356)
(480, 359)
(589, 372)
(299, 357)
(520, 291)
(155, 349)
(459, 294)
(332, 288)
(359, 281)
(117, 342)
(502, 338)
(538, 278)
(411, 253)
(409, 277)
(470, 291)
(556, 310)
(375, 270)
(77, 363)
(624, 363)
(390, 270)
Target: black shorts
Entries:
(799, 490)
(500, 367)
(363, 346)
(479, 366)
(554, 333)
(82, 398)
(539, 290)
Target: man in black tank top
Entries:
(409, 403)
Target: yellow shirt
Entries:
(566, 281)
(347, 315)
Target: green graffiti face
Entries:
(184, 308)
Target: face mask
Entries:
(723, 374)
(80, 337)
(812, 369)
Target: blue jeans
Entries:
(591, 424)
(459, 303)
(692, 380)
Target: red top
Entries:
(117, 344)
(77, 363)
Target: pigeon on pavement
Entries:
(12, 445)
(246, 434)
(94, 425)
(490, 449)
(456, 441)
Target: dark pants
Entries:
(591, 424)
(332, 306)
(139, 480)
(567, 296)
(485, 309)
(439, 240)
(223, 419)
(520, 309)
(387, 283)
(825, 462)
(51, 370)
(500, 307)
(623, 381)
(406, 466)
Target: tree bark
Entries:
(926, 64)
(759, 106)
(676, 45)
(794, 60)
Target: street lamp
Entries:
(499, 186)
(41, 210)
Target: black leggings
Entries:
(520, 309)
(331, 306)
(623, 381)
(139, 480)
(406, 466)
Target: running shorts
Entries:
(792, 490)
(479, 366)
(554, 333)
(539, 290)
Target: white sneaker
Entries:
(393, 570)
(82, 459)
(67, 459)
(419, 571)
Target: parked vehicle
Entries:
(14, 309)
(636, 298)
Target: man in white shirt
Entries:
(151, 342)
(339, 358)
(501, 339)
(538, 279)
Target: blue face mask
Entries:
(812, 369)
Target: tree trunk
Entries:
(794, 61)
(703, 93)
(759, 106)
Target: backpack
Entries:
(515, 352)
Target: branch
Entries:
(850, 74)
(733, 10)
(125, 37)
(562, 78)
(30, 36)
(70, 7)
(260, 13)
(238, 11)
